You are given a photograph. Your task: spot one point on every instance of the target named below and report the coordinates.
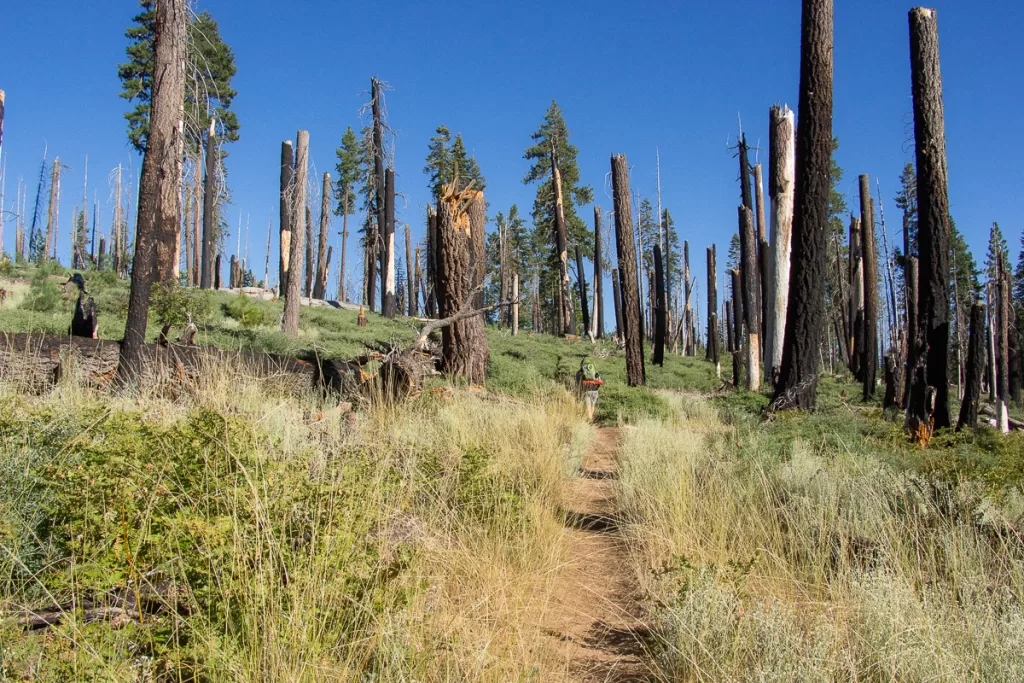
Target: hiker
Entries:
(588, 381)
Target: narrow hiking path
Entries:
(594, 617)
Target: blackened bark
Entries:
(320, 286)
(737, 309)
(377, 250)
(411, 267)
(751, 287)
(1014, 351)
(625, 247)
(660, 312)
(856, 328)
(390, 305)
(975, 367)
(477, 210)
(805, 318)
(867, 237)
(582, 282)
(308, 271)
(159, 204)
(217, 266)
(290, 322)
(430, 300)
(910, 268)
(617, 301)
(712, 289)
(598, 274)
(209, 202)
(763, 254)
(932, 206)
(889, 398)
(287, 186)
(730, 345)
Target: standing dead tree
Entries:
(410, 279)
(763, 254)
(856, 323)
(975, 368)
(737, 325)
(781, 174)
(290, 321)
(630, 326)
(159, 207)
(390, 304)
(711, 354)
(477, 210)
(660, 314)
(798, 377)
(598, 275)
(751, 285)
(320, 287)
(209, 208)
(617, 303)
(1003, 345)
(581, 279)
(287, 187)
(933, 210)
(464, 349)
(870, 257)
(561, 246)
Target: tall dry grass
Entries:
(811, 562)
(408, 543)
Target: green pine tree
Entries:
(1018, 277)
(906, 200)
(446, 159)
(348, 172)
(996, 245)
(208, 91)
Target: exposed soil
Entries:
(594, 617)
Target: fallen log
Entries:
(990, 412)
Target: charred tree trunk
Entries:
(390, 306)
(310, 266)
(857, 321)
(380, 232)
(51, 229)
(910, 288)
(582, 282)
(975, 368)
(660, 312)
(287, 189)
(869, 253)
(197, 214)
(798, 378)
(598, 274)
(729, 344)
(712, 286)
(763, 255)
(1013, 349)
(617, 302)
(477, 210)
(1002, 348)
(684, 323)
(159, 207)
(290, 322)
(320, 287)
(889, 398)
(216, 272)
(737, 309)
(561, 246)
(430, 297)
(632, 327)
(209, 208)
(410, 281)
(781, 173)
(751, 299)
(515, 304)
(933, 206)
(464, 344)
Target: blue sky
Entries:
(630, 78)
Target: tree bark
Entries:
(582, 283)
(52, 210)
(515, 304)
(477, 210)
(464, 343)
(410, 283)
(430, 300)
(1002, 348)
(310, 267)
(320, 288)
(197, 215)
(763, 252)
(287, 190)
(933, 206)
(910, 285)
(342, 294)
(209, 208)
(216, 272)
(751, 285)
(660, 312)
(390, 307)
(159, 206)
(617, 302)
(598, 273)
(858, 338)
(377, 249)
(975, 368)
(628, 282)
(729, 344)
(870, 256)
(290, 322)
(805, 318)
(561, 246)
(711, 353)
(684, 323)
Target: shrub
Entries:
(174, 305)
(43, 293)
(247, 312)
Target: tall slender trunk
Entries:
(380, 234)
(430, 303)
(309, 268)
(730, 345)
(805, 318)
(617, 302)
(933, 206)
(159, 188)
(660, 314)
(628, 281)
(561, 245)
(515, 304)
(910, 285)
(871, 337)
(51, 213)
(858, 336)
(781, 174)
(598, 274)
(763, 253)
(581, 279)
(287, 192)
(320, 288)
(344, 249)
(975, 368)
(290, 322)
(209, 208)
(410, 283)
(751, 305)
(390, 306)
(1002, 348)
(711, 353)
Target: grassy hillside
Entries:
(230, 530)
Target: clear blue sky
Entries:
(629, 77)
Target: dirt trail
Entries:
(594, 617)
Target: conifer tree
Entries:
(348, 170)
(446, 158)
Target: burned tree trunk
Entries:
(464, 344)
(582, 283)
(684, 324)
(659, 308)
(320, 287)
(856, 324)
(1002, 347)
(751, 298)
(712, 350)
(598, 274)
(377, 249)
(632, 329)
(781, 173)
(216, 272)
(290, 322)
(798, 378)
(729, 344)
(737, 325)
(287, 189)
(197, 213)
(515, 304)
(617, 303)
(308, 271)
(910, 288)
(209, 208)
(763, 254)
(975, 367)
(870, 256)
(1014, 351)
(933, 206)
(561, 246)
(477, 211)
(159, 204)
(390, 305)
(410, 282)
(430, 296)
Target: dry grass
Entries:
(809, 563)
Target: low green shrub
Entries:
(43, 293)
(248, 312)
